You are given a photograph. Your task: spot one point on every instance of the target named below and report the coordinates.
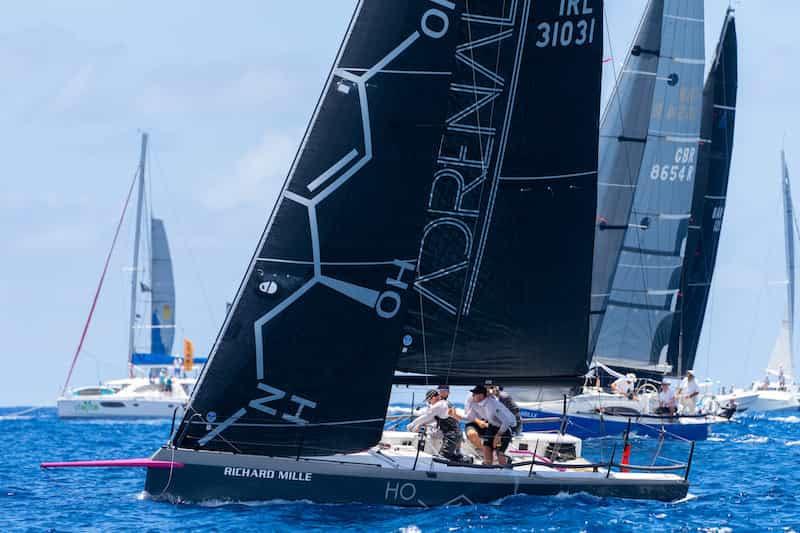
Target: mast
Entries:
(788, 212)
(136, 239)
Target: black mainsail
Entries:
(640, 310)
(505, 257)
(708, 205)
(379, 197)
(314, 328)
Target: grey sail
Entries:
(641, 305)
(162, 291)
(623, 137)
(783, 352)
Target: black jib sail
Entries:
(708, 205)
(505, 257)
(637, 326)
(305, 358)
(623, 137)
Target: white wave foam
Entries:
(786, 419)
(716, 439)
(15, 417)
(689, 497)
(793, 443)
(752, 439)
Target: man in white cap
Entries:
(688, 393)
(438, 412)
(625, 385)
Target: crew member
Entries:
(437, 412)
(489, 425)
(666, 400)
(688, 393)
(624, 385)
(506, 399)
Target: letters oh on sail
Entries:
(641, 303)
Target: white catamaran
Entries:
(158, 383)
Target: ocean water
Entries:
(746, 477)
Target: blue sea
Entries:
(746, 477)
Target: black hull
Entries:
(221, 478)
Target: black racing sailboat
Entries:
(449, 168)
(708, 204)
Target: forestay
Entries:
(636, 330)
(304, 360)
(502, 288)
(623, 137)
(708, 204)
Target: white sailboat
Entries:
(779, 390)
(157, 383)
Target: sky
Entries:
(225, 94)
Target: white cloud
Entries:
(257, 176)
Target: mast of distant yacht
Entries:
(136, 239)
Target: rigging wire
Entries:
(100, 283)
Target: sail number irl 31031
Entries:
(575, 26)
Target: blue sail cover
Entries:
(641, 306)
(162, 292)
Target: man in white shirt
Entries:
(688, 393)
(489, 424)
(666, 400)
(624, 385)
(438, 412)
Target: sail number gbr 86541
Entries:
(575, 31)
(680, 169)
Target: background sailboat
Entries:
(642, 233)
(157, 384)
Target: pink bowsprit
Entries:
(114, 463)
